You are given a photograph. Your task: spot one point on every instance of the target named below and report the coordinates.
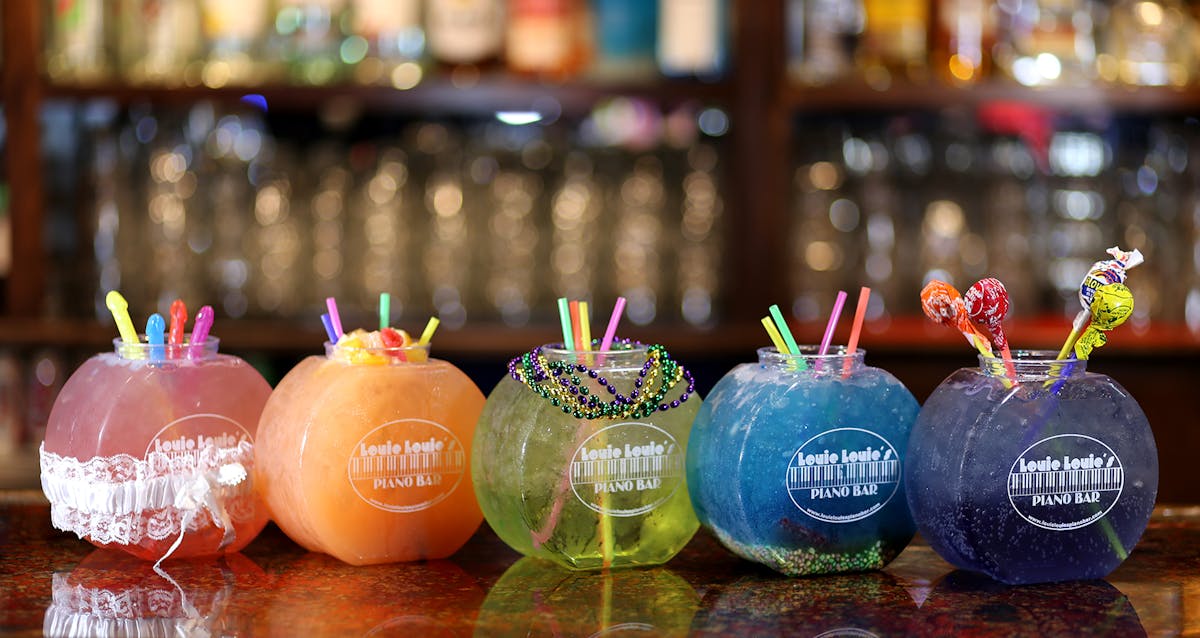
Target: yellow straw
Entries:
(776, 338)
(430, 328)
(585, 326)
(120, 312)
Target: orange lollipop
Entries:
(944, 305)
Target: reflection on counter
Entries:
(112, 593)
(57, 582)
(549, 600)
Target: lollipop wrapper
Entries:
(1109, 271)
(1091, 339)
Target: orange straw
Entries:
(860, 313)
(576, 331)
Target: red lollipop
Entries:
(987, 305)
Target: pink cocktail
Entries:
(150, 449)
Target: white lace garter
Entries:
(122, 499)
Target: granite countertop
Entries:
(53, 581)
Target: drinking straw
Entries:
(576, 331)
(564, 316)
(783, 329)
(860, 313)
(155, 326)
(334, 318)
(120, 312)
(776, 339)
(329, 331)
(838, 304)
(200, 328)
(385, 310)
(178, 321)
(611, 331)
(430, 328)
(585, 326)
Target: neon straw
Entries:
(585, 326)
(120, 312)
(611, 332)
(155, 326)
(334, 318)
(329, 331)
(564, 316)
(783, 329)
(385, 310)
(178, 321)
(200, 328)
(430, 328)
(833, 320)
(860, 313)
(575, 328)
(776, 339)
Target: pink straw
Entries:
(334, 318)
(200, 328)
(611, 331)
(833, 319)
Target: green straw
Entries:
(787, 335)
(385, 310)
(564, 314)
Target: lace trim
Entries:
(138, 611)
(124, 500)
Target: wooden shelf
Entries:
(491, 93)
(732, 339)
(899, 95)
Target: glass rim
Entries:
(809, 352)
(627, 349)
(170, 352)
(1032, 364)
(331, 350)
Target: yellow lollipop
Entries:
(120, 312)
(1111, 306)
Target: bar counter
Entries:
(55, 583)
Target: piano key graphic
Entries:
(864, 473)
(1101, 479)
(625, 469)
(365, 468)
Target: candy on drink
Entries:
(149, 448)
(1048, 475)
(944, 305)
(796, 461)
(364, 452)
(579, 456)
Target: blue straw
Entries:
(329, 330)
(155, 327)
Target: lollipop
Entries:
(1111, 306)
(987, 304)
(1102, 273)
(944, 305)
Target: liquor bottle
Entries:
(1148, 43)
(624, 35)
(1047, 42)
(465, 33)
(964, 34)
(392, 41)
(159, 39)
(822, 38)
(77, 42)
(233, 34)
(692, 37)
(546, 37)
(895, 39)
(310, 39)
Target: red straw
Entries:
(860, 313)
(576, 333)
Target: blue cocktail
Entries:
(796, 462)
(1050, 475)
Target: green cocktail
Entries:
(579, 457)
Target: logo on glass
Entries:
(406, 465)
(626, 469)
(1065, 482)
(843, 475)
